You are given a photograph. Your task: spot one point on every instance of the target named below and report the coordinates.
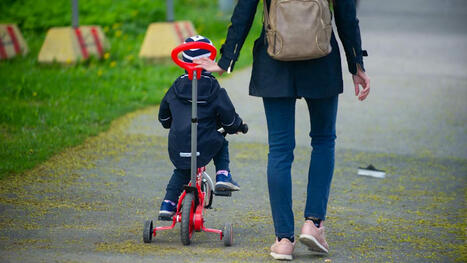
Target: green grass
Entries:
(44, 109)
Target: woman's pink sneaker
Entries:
(313, 237)
(282, 250)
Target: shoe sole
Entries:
(281, 256)
(165, 215)
(221, 186)
(313, 244)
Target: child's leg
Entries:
(224, 181)
(179, 178)
(174, 188)
(221, 159)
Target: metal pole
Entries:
(226, 6)
(170, 11)
(74, 14)
(194, 127)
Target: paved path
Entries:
(88, 203)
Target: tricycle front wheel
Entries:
(188, 211)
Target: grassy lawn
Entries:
(44, 109)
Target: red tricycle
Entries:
(198, 194)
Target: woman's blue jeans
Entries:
(280, 116)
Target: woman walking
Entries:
(280, 84)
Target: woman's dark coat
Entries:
(317, 78)
(214, 109)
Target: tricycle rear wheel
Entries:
(228, 235)
(148, 231)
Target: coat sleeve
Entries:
(349, 33)
(229, 119)
(165, 116)
(242, 19)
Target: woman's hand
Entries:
(208, 65)
(361, 79)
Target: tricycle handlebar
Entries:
(190, 67)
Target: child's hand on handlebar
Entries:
(243, 129)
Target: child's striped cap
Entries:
(196, 53)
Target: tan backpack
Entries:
(298, 29)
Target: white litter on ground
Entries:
(371, 171)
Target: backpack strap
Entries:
(266, 15)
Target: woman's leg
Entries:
(280, 116)
(323, 134)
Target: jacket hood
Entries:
(207, 87)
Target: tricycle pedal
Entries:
(165, 218)
(223, 193)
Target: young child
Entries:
(215, 110)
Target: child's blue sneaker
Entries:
(224, 182)
(168, 209)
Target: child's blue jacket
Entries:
(215, 109)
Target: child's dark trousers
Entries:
(182, 177)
